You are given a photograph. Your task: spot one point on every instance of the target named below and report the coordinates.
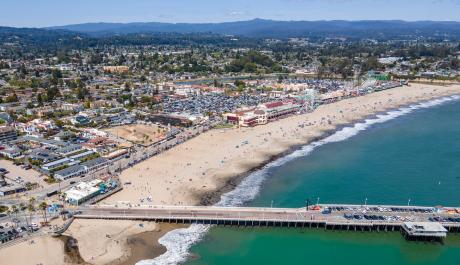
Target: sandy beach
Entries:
(184, 174)
(43, 250)
(99, 242)
(111, 238)
(187, 173)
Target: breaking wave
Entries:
(179, 241)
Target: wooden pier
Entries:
(329, 217)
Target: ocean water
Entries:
(410, 153)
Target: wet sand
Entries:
(72, 254)
(145, 245)
(201, 169)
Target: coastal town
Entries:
(171, 124)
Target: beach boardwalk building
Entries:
(424, 230)
(83, 192)
(263, 113)
(83, 168)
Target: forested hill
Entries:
(51, 40)
(248, 33)
(34, 36)
(260, 28)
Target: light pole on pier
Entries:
(365, 202)
(308, 203)
(408, 202)
(271, 204)
(317, 201)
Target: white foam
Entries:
(179, 241)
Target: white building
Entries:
(83, 192)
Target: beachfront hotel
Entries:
(262, 114)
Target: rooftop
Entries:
(431, 229)
(83, 190)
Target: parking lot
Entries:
(16, 229)
(390, 214)
(20, 175)
(216, 103)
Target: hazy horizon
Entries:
(49, 13)
(146, 22)
(257, 18)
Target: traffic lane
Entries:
(165, 213)
(207, 214)
(265, 211)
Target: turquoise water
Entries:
(416, 156)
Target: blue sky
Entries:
(41, 13)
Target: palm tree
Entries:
(31, 207)
(14, 210)
(42, 206)
(9, 212)
(64, 196)
(22, 208)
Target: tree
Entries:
(35, 83)
(62, 56)
(14, 208)
(9, 212)
(40, 99)
(280, 78)
(51, 93)
(239, 83)
(127, 87)
(3, 208)
(121, 59)
(345, 68)
(22, 208)
(15, 211)
(370, 64)
(87, 104)
(23, 70)
(82, 92)
(63, 198)
(31, 208)
(12, 98)
(56, 74)
(43, 205)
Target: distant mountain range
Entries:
(261, 28)
(248, 32)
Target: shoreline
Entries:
(145, 245)
(213, 197)
(204, 168)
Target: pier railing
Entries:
(336, 217)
